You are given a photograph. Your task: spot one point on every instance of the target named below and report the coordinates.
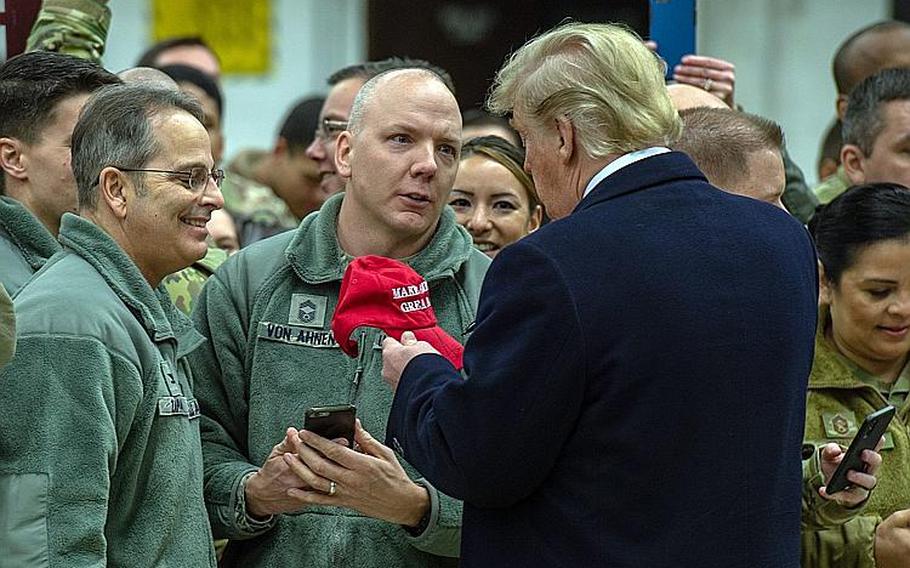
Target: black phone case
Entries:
(866, 438)
(332, 422)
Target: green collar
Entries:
(27, 232)
(830, 369)
(153, 308)
(317, 258)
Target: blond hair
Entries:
(600, 76)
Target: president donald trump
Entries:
(634, 388)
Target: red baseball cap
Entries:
(388, 295)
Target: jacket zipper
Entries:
(358, 371)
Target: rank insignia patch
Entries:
(839, 424)
(307, 310)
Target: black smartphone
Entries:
(672, 27)
(866, 438)
(331, 422)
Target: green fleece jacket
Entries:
(271, 355)
(837, 403)
(7, 327)
(100, 458)
(25, 244)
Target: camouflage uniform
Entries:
(257, 211)
(184, 287)
(73, 27)
(840, 394)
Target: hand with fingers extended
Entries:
(892, 541)
(714, 75)
(267, 491)
(862, 481)
(372, 482)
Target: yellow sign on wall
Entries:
(238, 30)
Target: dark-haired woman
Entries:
(493, 197)
(861, 353)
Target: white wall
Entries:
(311, 39)
(783, 51)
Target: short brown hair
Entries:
(720, 140)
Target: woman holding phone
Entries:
(860, 366)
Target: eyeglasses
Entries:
(329, 128)
(197, 178)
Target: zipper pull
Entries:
(358, 374)
(361, 351)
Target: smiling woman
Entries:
(860, 365)
(493, 197)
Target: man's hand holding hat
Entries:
(396, 356)
(389, 295)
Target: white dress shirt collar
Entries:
(622, 162)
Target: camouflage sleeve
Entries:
(74, 27)
(850, 544)
(184, 287)
(818, 512)
(832, 535)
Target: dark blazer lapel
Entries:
(641, 175)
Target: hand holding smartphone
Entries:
(332, 422)
(866, 438)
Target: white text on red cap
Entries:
(410, 291)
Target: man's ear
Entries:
(841, 106)
(853, 159)
(343, 151)
(536, 219)
(112, 191)
(567, 141)
(13, 161)
(281, 147)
